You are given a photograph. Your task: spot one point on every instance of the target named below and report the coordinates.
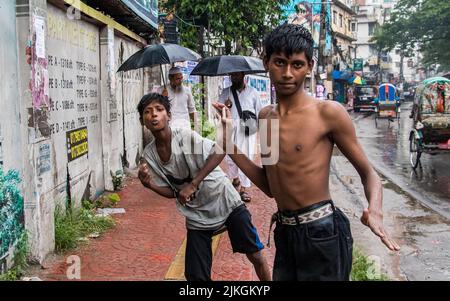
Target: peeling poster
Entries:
(39, 25)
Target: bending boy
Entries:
(180, 164)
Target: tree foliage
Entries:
(236, 22)
(422, 24)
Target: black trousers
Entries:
(243, 238)
(315, 251)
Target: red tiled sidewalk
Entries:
(147, 237)
(140, 247)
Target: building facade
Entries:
(68, 123)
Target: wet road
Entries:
(387, 147)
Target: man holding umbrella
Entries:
(249, 100)
(181, 100)
(243, 102)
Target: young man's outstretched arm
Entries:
(255, 173)
(343, 134)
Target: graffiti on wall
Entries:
(1, 148)
(11, 211)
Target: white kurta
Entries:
(249, 100)
(181, 105)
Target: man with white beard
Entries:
(181, 101)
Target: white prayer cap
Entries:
(174, 70)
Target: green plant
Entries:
(197, 94)
(364, 269)
(207, 129)
(20, 262)
(87, 204)
(73, 225)
(10, 275)
(117, 179)
(231, 22)
(114, 198)
(66, 233)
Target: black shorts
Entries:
(318, 250)
(243, 237)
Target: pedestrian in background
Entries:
(240, 96)
(181, 101)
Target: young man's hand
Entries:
(187, 193)
(145, 175)
(374, 221)
(225, 127)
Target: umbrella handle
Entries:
(163, 78)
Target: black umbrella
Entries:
(226, 64)
(159, 54)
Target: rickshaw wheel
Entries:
(414, 151)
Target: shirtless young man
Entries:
(312, 237)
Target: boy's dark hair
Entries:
(288, 39)
(151, 97)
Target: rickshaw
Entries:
(431, 119)
(387, 104)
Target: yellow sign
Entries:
(77, 143)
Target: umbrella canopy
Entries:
(226, 64)
(157, 55)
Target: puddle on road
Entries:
(389, 185)
(429, 219)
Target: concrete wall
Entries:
(62, 119)
(129, 91)
(11, 208)
(10, 149)
(73, 52)
(31, 16)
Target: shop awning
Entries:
(341, 75)
(138, 15)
